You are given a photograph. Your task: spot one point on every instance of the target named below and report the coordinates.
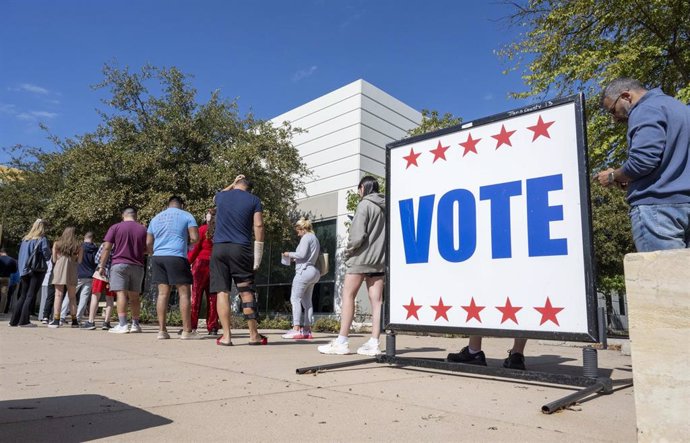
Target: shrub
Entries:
(277, 322)
(326, 325)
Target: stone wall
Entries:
(658, 290)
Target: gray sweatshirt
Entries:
(307, 252)
(366, 247)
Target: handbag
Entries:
(322, 263)
(36, 261)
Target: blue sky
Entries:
(270, 55)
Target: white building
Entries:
(346, 132)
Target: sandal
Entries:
(263, 340)
(222, 343)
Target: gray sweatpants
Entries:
(302, 289)
(83, 295)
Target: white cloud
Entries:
(488, 97)
(28, 87)
(35, 115)
(44, 114)
(304, 73)
(25, 116)
(7, 108)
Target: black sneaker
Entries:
(88, 326)
(464, 356)
(54, 324)
(106, 325)
(515, 360)
(75, 323)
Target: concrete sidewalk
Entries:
(71, 385)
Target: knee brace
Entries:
(253, 305)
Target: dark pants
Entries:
(50, 300)
(29, 286)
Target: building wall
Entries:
(346, 132)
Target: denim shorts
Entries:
(659, 227)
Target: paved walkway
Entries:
(71, 385)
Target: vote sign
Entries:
(489, 228)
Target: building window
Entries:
(274, 281)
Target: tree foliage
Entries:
(433, 121)
(155, 140)
(569, 46)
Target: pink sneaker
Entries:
(291, 334)
(305, 335)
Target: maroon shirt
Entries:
(129, 243)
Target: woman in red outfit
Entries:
(199, 258)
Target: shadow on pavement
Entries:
(72, 418)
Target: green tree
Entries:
(433, 121)
(155, 140)
(568, 46)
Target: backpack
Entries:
(322, 263)
(36, 262)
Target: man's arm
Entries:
(149, 243)
(258, 226)
(258, 239)
(105, 254)
(612, 176)
(193, 234)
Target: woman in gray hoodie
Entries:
(366, 262)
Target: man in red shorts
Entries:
(100, 287)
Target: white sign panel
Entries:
(486, 227)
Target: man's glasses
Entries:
(612, 109)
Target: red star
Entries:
(540, 128)
(473, 311)
(470, 145)
(412, 158)
(503, 137)
(412, 309)
(441, 309)
(509, 311)
(439, 152)
(548, 312)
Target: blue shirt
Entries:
(170, 230)
(658, 150)
(235, 211)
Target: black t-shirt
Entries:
(8, 266)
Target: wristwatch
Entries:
(612, 178)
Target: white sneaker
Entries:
(135, 329)
(163, 335)
(119, 329)
(334, 348)
(193, 335)
(369, 348)
(291, 334)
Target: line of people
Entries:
(227, 249)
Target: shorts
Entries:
(100, 286)
(375, 274)
(169, 270)
(230, 261)
(126, 277)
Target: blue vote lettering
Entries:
(417, 240)
(540, 214)
(416, 231)
(467, 225)
(499, 195)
